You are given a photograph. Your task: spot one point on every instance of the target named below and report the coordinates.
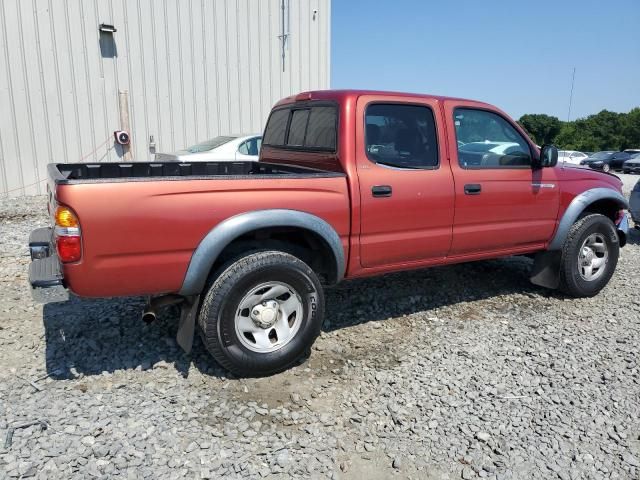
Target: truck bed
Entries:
(66, 173)
(141, 222)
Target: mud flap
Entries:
(187, 324)
(546, 269)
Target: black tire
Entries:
(571, 280)
(222, 299)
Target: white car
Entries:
(571, 156)
(225, 148)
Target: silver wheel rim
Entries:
(268, 317)
(593, 256)
(606, 167)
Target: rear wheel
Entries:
(262, 313)
(589, 256)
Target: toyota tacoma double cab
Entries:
(349, 184)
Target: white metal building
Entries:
(193, 69)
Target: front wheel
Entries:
(606, 167)
(589, 256)
(262, 313)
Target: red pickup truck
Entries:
(349, 184)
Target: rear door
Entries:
(502, 204)
(406, 185)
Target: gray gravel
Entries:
(459, 372)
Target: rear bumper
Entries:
(45, 271)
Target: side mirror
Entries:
(548, 156)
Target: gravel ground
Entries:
(455, 372)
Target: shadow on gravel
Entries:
(90, 337)
(634, 236)
(360, 301)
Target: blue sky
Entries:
(518, 54)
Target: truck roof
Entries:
(342, 95)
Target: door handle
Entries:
(472, 189)
(381, 190)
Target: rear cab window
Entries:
(308, 126)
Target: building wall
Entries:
(193, 69)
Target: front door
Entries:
(502, 204)
(406, 185)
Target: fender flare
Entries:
(210, 247)
(578, 205)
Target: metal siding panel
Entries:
(73, 48)
(233, 67)
(109, 76)
(198, 71)
(224, 106)
(212, 96)
(193, 70)
(49, 86)
(186, 71)
(275, 15)
(12, 171)
(244, 70)
(36, 172)
(136, 81)
(255, 66)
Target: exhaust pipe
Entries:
(149, 314)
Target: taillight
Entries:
(67, 234)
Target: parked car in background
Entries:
(632, 150)
(634, 204)
(225, 148)
(606, 160)
(571, 156)
(632, 165)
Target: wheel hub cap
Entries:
(593, 257)
(268, 317)
(264, 315)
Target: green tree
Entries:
(542, 128)
(631, 129)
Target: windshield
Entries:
(601, 156)
(209, 144)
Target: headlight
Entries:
(596, 163)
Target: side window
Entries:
(486, 140)
(244, 148)
(402, 136)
